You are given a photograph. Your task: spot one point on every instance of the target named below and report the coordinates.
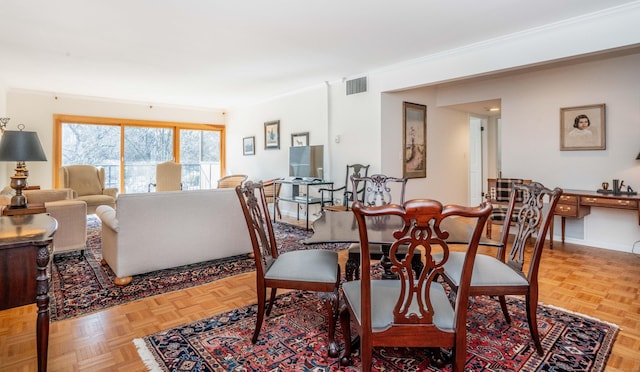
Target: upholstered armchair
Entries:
(88, 184)
(230, 182)
(71, 216)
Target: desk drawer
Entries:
(568, 199)
(566, 210)
(609, 202)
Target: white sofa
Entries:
(160, 230)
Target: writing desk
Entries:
(578, 203)
(26, 243)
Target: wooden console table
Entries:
(26, 243)
(578, 203)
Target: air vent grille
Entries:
(356, 86)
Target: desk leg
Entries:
(564, 220)
(42, 302)
(553, 218)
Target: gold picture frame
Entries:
(583, 128)
(414, 140)
(272, 135)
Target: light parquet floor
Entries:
(600, 283)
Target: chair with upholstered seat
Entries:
(504, 274)
(499, 192)
(348, 194)
(168, 177)
(377, 190)
(272, 193)
(231, 181)
(411, 311)
(315, 270)
(88, 184)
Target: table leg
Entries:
(385, 262)
(42, 302)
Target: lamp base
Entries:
(18, 183)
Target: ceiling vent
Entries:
(356, 86)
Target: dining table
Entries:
(342, 227)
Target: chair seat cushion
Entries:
(92, 200)
(312, 265)
(383, 295)
(487, 271)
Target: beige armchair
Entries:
(71, 216)
(168, 177)
(87, 183)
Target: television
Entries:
(305, 162)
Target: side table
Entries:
(30, 209)
(26, 244)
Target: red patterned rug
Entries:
(293, 338)
(81, 285)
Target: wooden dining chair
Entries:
(504, 274)
(377, 190)
(411, 311)
(272, 193)
(498, 194)
(349, 195)
(315, 270)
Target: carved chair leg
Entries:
(272, 299)
(262, 295)
(345, 324)
(503, 305)
(330, 301)
(532, 305)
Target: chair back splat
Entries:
(315, 270)
(349, 195)
(377, 190)
(530, 210)
(412, 311)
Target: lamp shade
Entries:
(20, 145)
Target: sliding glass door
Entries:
(130, 149)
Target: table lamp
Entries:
(20, 146)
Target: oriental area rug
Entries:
(294, 338)
(82, 285)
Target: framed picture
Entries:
(583, 128)
(272, 135)
(414, 144)
(249, 145)
(300, 139)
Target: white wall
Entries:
(3, 113)
(36, 109)
(531, 105)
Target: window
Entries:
(130, 149)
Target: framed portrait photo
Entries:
(414, 146)
(583, 128)
(249, 145)
(300, 139)
(272, 135)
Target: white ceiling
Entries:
(221, 54)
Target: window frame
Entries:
(59, 119)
